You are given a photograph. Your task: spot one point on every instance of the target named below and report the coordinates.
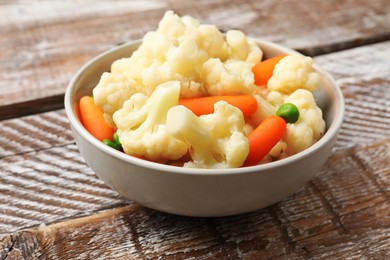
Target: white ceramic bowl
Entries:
(201, 192)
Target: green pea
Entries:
(289, 112)
(112, 144)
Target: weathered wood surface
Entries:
(364, 76)
(43, 45)
(343, 212)
(52, 206)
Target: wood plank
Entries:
(50, 185)
(347, 203)
(366, 91)
(34, 133)
(39, 54)
(376, 162)
(313, 223)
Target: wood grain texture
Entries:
(52, 206)
(43, 45)
(342, 213)
(34, 133)
(47, 186)
(38, 151)
(363, 76)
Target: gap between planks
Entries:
(32, 107)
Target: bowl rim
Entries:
(331, 132)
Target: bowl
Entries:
(201, 192)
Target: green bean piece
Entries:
(115, 137)
(111, 144)
(289, 112)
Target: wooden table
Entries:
(52, 206)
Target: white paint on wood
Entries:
(61, 11)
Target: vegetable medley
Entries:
(194, 97)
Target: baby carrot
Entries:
(264, 138)
(205, 105)
(93, 120)
(263, 70)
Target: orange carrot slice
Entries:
(93, 120)
(263, 70)
(205, 105)
(264, 138)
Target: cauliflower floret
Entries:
(216, 140)
(207, 37)
(178, 50)
(141, 124)
(155, 46)
(111, 92)
(278, 151)
(231, 78)
(147, 53)
(310, 125)
(294, 72)
(150, 73)
(256, 54)
(184, 58)
(157, 74)
(212, 40)
(241, 48)
(264, 110)
(171, 24)
(275, 98)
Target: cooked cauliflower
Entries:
(264, 110)
(275, 98)
(215, 140)
(241, 48)
(294, 72)
(111, 92)
(233, 76)
(141, 124)
(213, 42)
(152, 64)
(310, 125)
(183, 58)
(178, 50)
(230, 78)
